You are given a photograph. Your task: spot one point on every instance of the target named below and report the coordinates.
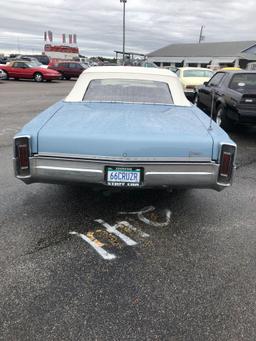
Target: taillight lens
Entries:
(227, 159)
(22, 154)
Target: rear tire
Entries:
(222, 120)
(38, 77)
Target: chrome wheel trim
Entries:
(38, 77)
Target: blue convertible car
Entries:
(125, 126)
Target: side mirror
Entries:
(206, 83)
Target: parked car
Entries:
(3, 60)
(26, 70)
(43, 59)
(68, 69)
(2, 74)
(125, 127)
(234, 98)
(32, 61)
(230, 68)
(148, 64)
(192, 77)
(173, 68)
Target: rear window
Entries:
(197, 73)
(63, 65)
(129, 91)
(73, 65)
(243, 81)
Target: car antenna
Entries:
(212, 106)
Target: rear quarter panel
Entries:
(36, 124)
(219, 136)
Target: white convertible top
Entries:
(131, 69)
(128, 72)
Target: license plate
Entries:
(118, 176)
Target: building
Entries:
(222, 54)
(65, 50)
(61, 51)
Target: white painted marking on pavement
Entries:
(153, 223)
(128, 225)
(95, 245)
(144, 210)
(140, 215)
(113, 230)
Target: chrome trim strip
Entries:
(179, 173)
(124, 158)
(70, 169)
(224, 185)
(156, 174)
(21, 177)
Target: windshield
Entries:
(243, 81)
(129, 91)
(33, 64)
(198, 73)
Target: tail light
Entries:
(192, 87)
(21, 154)
(227, 159)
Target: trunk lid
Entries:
(132, 130)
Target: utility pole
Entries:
(201, 36)
(124, 2)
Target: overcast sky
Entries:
(151, 24)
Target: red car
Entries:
(68, 69)
(25, 70)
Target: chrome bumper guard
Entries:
(156, 174)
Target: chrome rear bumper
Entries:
(156, 174)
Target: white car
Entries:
(192, 77)
(2, 74)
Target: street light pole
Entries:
(124, 2)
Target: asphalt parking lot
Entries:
(187, 271)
